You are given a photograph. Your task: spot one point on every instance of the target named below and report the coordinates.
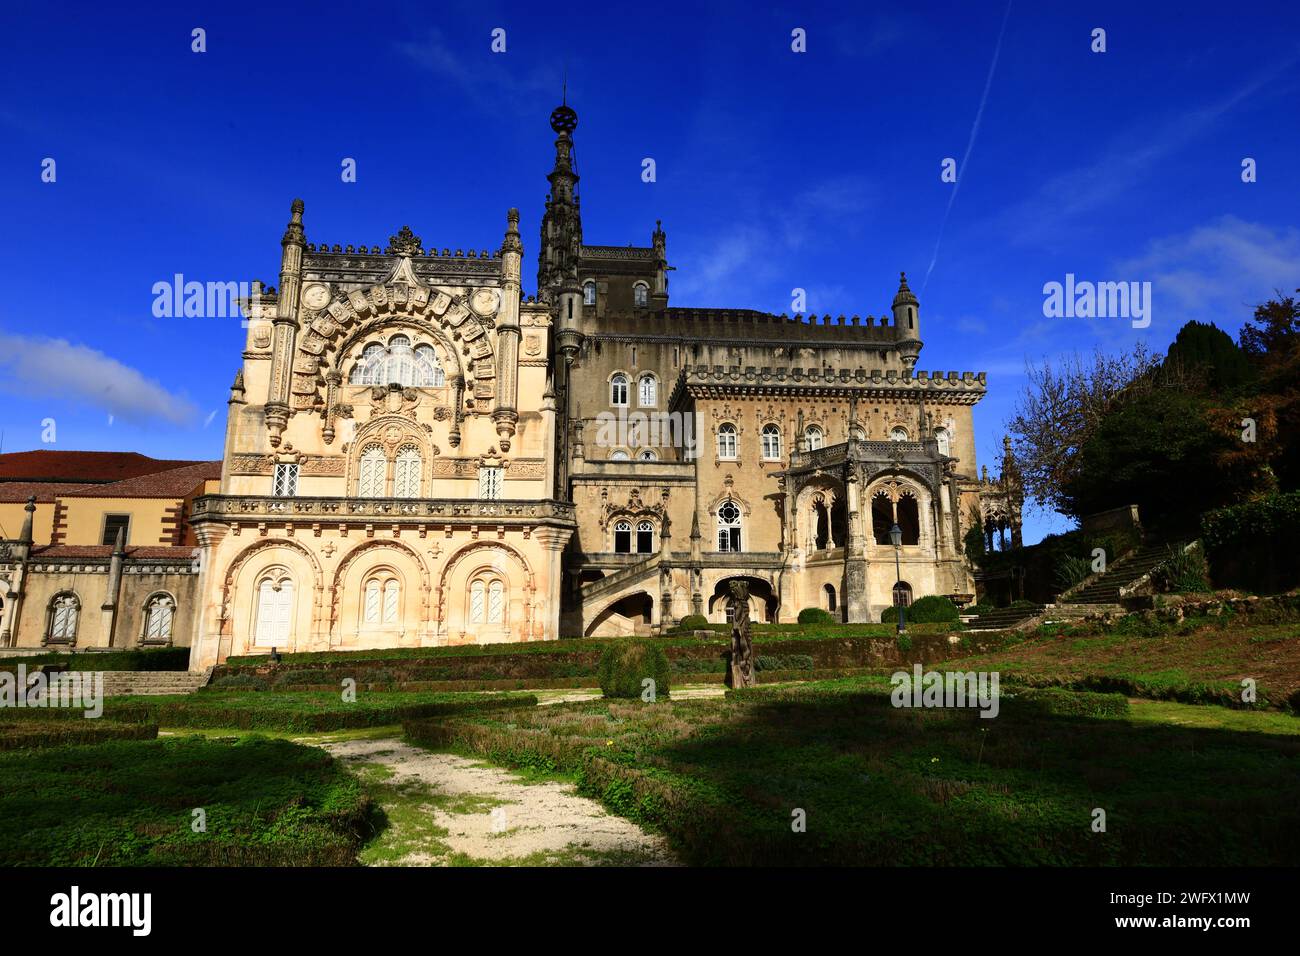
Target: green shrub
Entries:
(694, 622)
(1184, 571)
(1071, 570)
(144, 659)
(783, 662)
(624, 666)
(904, 642)
(931, 609)
(980, 608)
(239, 682)
(816, 615)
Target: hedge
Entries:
(816, 615)
(931, 609)
(143, 659)
(624, 668)
(24, 735)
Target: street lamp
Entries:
(896, 536)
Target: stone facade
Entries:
(418, 454)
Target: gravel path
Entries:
(445, 809)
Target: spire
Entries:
(557, 257)
(904, 295)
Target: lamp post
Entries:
(896, 536)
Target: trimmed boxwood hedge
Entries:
(24, 735)
(145, 659)
(931, 609)
(816, 615)
(624, 667)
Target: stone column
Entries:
(285, 325)
(506, 411)
(853, 597)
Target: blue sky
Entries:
(775, 170)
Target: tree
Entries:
(1272, 335)
(1207, 358)
(1060, 408)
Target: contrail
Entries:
(974, 131)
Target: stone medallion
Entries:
(316, 296)
(485, 302)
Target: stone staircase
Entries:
(1112, 584)
(621, 578)
(1003, 618)
(153, 683)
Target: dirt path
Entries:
(447, 810)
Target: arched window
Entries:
(487, 601)
(274, 611)
(815, 437)
(618, 389)
(619, 455)
(886, 512)
(640, 295)
(945, 441)
(771, 441)
(898, 433)
(645, 537)
(623, 537)
(159, 612)
(429, 367)
(829, 591)
(382, 600)
(64, 611)
(399, 364)
(406, 474)
(902, 594)
(589, 293)
(648, 390)
(729, 526)
(648, 455)
(373, 473)
(726, 440)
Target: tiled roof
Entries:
(173, 483)
(81, 466)
(45, 491)
(51, 551)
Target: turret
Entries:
(907, 323)
(557, 262)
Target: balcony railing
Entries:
(864, 451)
(228, 507)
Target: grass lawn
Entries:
(724, 779)
(1204, 665)
(130, 803)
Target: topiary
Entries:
(694, 622)
(932, 609)
(816, 615)
(625, 666)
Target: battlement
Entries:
(324, 249)
(966, 387)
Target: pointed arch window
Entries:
(159, 613)
(726, 440)
(274, 611)
(640, 295)
(65, 609)
(815, 437)
(372, 475)
(406, 474)
(623, 537)
(771, 437)
(729, 526)
(589, 293)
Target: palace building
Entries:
(418, 453)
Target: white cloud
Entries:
(1216, 272)
(56, 369)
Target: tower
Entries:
(907, 323)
